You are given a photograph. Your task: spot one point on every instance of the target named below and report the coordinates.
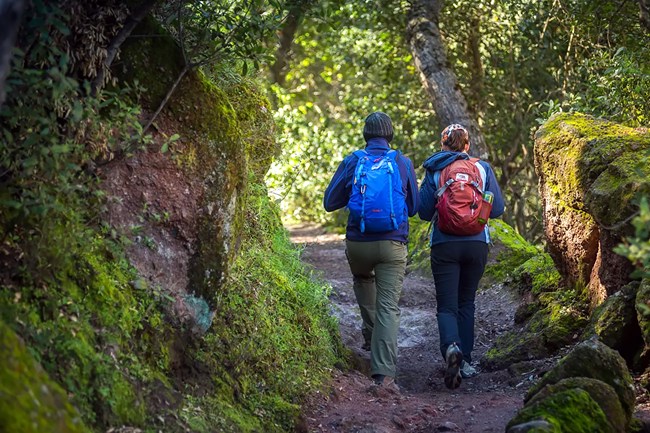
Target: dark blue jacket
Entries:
(437, 162)
(338, 192)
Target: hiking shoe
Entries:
(454, 358)
(383, 386)
(466, 370)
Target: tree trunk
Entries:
(439, 81)
(644, 14)
(287, 34)
(11, 12)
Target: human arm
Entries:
(427, 197)
(498, 204)
(412, 195)
(338, 191)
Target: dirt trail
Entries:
(482, 404)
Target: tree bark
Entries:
(11, 12)
(437, 77)
(644, 14)
(476, 85)
(287, 35)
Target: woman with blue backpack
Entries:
(458, 194)
(378, 186)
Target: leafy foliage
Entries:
(68, 290)
(516, 62)
(273, 335)
(637, 247)
(66, 287)
(345, 68)
(218, 31)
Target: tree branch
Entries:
(111, 51)
(167, 96)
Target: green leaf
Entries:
(30, 162)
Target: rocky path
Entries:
(482, 404)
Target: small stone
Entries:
(447, 426)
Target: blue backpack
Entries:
(377, 202)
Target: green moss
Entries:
(595, 360)
(272, 339)
(513, 250)
(611, 197)
(592, 164)
(603, 394)
(30, 402)
(255, 120)
(537, 275)
(558, 319)
(571, 410)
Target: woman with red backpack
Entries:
(458, 194)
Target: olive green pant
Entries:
(378, 273)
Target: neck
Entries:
(377, 142)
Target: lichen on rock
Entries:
(590, 170)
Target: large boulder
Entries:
(183, 208)
(589, 390)
(590, 171)
(599, 391)
(592, 359)
(571, 410)
(615, 323)
(550, 316)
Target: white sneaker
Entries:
(466, 370)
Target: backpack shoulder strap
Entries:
(436, 178)
(393, 154)
(482, 172)
(360, 153)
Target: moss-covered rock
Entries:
(571, 410)
(590, 170)
(555, 321)
(602, 393)
(100, 317)
(594, 360)
(615, 323)
(508, 252)
(30, 402)
(536, 276)
(550, 314)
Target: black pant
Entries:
(457, 269)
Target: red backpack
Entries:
(460, 198)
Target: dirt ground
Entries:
(484, 403)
